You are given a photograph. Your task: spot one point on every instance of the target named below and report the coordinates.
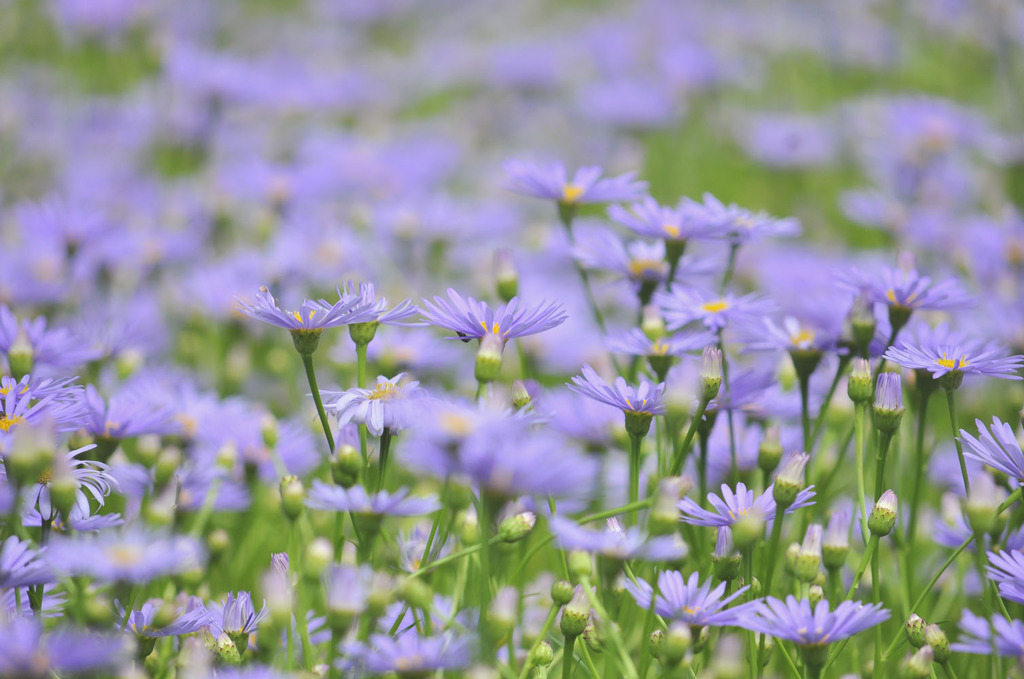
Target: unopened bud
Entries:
(936, 638)
(858, 385)
(167, 464)
(20, 356)
(883, 516)
(982, 504)
(318, 556)
(914, 629)
(346, 466)
(416, 593)
(520, 395)
(293, 495)
(541, 655)
(678, 640)
(517, 527)
(653, 323)
(711, 371)
(888, 409)
(790, 480)
(488, 358)
(580, 565)
(561, 592)
(575, 614)
(769, 452)
(808, 559)
(835, 544)
(919, 665)
(506, 279)
(725, 559)
(815, 594)
(862, 323)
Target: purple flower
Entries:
(638, 262)
(26, 652)
(141, 621)
(20, 565)
(688, 601)
(617, 543)
(357, 501)
(32, 401)
(648, 218)
(646, 399)
(793, 335)
(1006, 568)
(410, 653)
(686, 305)
(384, 406)
(586, 186)
(795, 621)
(93, 483)
(235, 616)
(997, 447)
(130, 412)
(731, 507)
(48, 347)
(635, 343)
(982, 637)
(367, 296)
(472, 319)
(737, 224)
(135, 556)
(312, 316)
(906, 290)
(954, 354)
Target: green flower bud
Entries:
(346, 465)
(561, 592)
(217, 542)
(488, 358)
(167, 464)
(30, 454)
(293, 496)
(815, 594)
(725, 559)
(506, 278)
(914, 629)
(20, 356)
(575, 614)
(657, 640)
(936, 638)
(99, 613)
(226, 650)
(580, 564)
(862, 323)
(883, 516)
(808, 558)
(888, 408)
(711, 372)
(769, 452)
(520, 396)
(469, 528)
(748, 530)
(416, 593)
(858, 386)
(982, 504)
(652, 323)
(517, 527)
(541, 655)
(592, 638)
(790, 480)
(678, 640)
(269, 430)
(317, 557)
(919, 665)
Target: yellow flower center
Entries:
(298, 316)
(951, 363)
(125, 555)
(455, 424)
(715, 307)
(640, 268)
(802, 338)
(189, 425)
(671, 229)
(7, 422)
(383, 391)
(571, 193)
(109, 428)
(890, 294)
(495, 328)
(659, 348)
(45, 476)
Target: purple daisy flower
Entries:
(20, 565)
(140, 621)
(32, 401)
(48, 347)
(358, 501)
(731, 507)
(907, 290)
(794, 335)
(385, 406)
(26, 652)
(235, 616)
(586, 186)
(997, 447)
(312, 316)
(648, 218)
(135, 556)
(635, 343)
(646, 399)
(472, 319)
(794, 620)
(981, 637)
(130, 412)
(686, 305)
(737, 224)
(687, 600)
(93, 482)
(956, 355)
(410, 653)
(367, 296)
(643, 264)
(616, 542)
(1006, 568)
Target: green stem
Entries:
(880, 457)
(876, 588)
(361, 383)
(917, 472)
(635, 443)
(730, 267)
(567, 657)
(860, 413)
(805, 415)
(385, 448)
(820, 420)
(485, 573)
(680, 456)
(300, 599)
(453, 557)
(540, 637)
(864, 561)
(951, 404)
(307, 363)
(628, 669)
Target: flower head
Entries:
(997, 446)
(950, 353)
(645, 399)
(25, 651)
(133, 557)
(732, 506)
(648, 218)
(313, 315)
(384, 406)
(737, 224)
(616, 542)
(586, 186)
(908, 290)
(795, 621)
(714, 311)
(688, 600)
(1006, 568)
(20, 565)
(982, 637)
(358, 501)
(409, 653)
(472, 319)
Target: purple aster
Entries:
(410, 653)
(635, 343)
(951, 353)
(983, 637)
(794, 335)
(26, 652)
(731, 507)
(648, 218)
(643, 264)
(385, 406)
(646, 399)
(586, 186)
(140, 621)
(472, 319)
(357, 501)
(737, 224)
(795, 621)
(347, 588)
(32, 401)
(906, 290)
(687, 600)
(686, 305)
(378, 306)
(134, 556)
(130, 412)
(313, 316)
(997, 447)
(48, 347)
(1006, 568)
(235, 616)
(616, 542)
(93, 483)
(20, 565)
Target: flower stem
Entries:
(858, 424)
(540, 637)
(567, 657)
(485, 572)
(307, 363)
(880, 457)
(876, 588)
(840, 370)
(680, 457)
(361, 383)
(951, 405)
(805, 415)
(864, 561)
(385, 448)
(635, 443)
(917, 471)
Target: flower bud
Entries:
(664, 517)
(914, 629)
(506, 279)
(711, 371)
(725, 559)
(269, 430)
(520, 395)
(20, 356)
(575, 614)
(808, 558)
(30, 453)
(936, 638)
(561, 592)
(919, 665)
(790, 480)
(346, 465)
(657, 639)
(416, 593)
(805, 361)
(502, 614)
(769, 452)
(748, 530)
(888, 409)
(862, 323)
(858, 385)
(883, 516)
(63, 486)
(678, 640)
(363, 333)
(217, 542)
(815, 594)
(835, 544)
(541, 655)
(982, 504)
(653, 323)
(293, 495)
(517, 527)
(469, 527)
(592, 638)
(227, 651)
(167, 464)
(318, 556)
(580, 565)
(488, 358)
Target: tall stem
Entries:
(951, 404)
(361, 383)
(880, 457)
(635, 443)
(485, 573)
(859, 415)
(567, 657)
(680, 455)
(805, 416)
(385, 448)
(307, 363)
